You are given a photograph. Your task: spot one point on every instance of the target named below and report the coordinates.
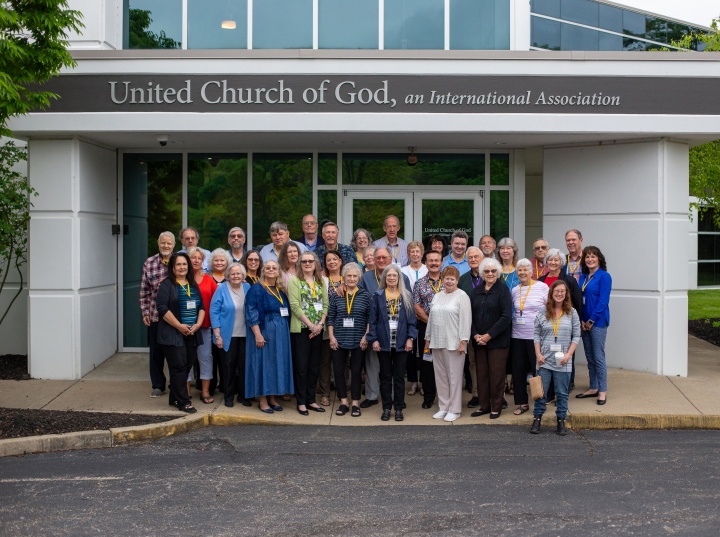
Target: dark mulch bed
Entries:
(13, 367)
(706, 329)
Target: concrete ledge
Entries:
(643, 421)
(228, 420)
(154, 431)
(55, 442)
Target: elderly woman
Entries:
(348, 325)
(227, 314)
(268, 366)
(369, 258)
(447, 336)
(308, 294)
(361, 239)
(181, 312)
(596, 285)
(556, 335)
(289, 260)
(253, 264)
(491, 304)
(414, 271)
(219, 262)
(529, 298)
(507, 254)
(392, 330)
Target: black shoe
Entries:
(303, 412)
(602, 401)
(316, 408)
(404, 405)
(535, 428)
(504, 404)
(385, 415)
(561, 430)
(188, 409)
(494, 416)
(367, 403)
(245, 402)
(473, 403)
(399, 415)
(229, 403)
(276, 408)
(426, 404)
(479, 413)
(586, 395)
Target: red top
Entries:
(207, 289)
(549, 280)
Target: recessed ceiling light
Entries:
(228, 25)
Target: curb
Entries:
(643, 421)
(55, 442)
(154, 431)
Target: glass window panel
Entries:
(282, 24)
(708, 247)
(479, 25)
(431, 169)
(208, 22)
(217, 196)
(582, 11)
(633, 44)
(610, 18)
(414, 24)
(152, 203)
(609, 41)
(443, 217)
(578, 38)
(500, 169)
(499, 214)
(705, 220)
(282, 190)
(708, 274)
(327, 205)
(677, 31)
(350, 24)
(370, 214)
(153, 24)
(327, 169)
(656, 29)
(633, 23)
(551, 8)
(545, 33)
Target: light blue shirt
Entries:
(268, 252)
(462, 265)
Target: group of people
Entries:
(267, 323)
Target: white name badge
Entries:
(559, 356)
(348, 323)
(318, 306)
(555, 347)
(284, 312)
(519, 320)
(393, 325)
(191, 305)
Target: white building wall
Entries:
(693, 243)
(72, 258)
(630, 200)
(102, 20)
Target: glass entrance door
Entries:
(368, 209)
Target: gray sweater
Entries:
(568, 332)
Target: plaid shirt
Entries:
(154, 272)
(423, 293)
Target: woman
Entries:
(181, 311)
(361, 239)
(491, 305)
(253, 264)
(529, 298)
(507, 254)
(369, 258)
(308, 294)
(414, 271)
(556, 335)
(207, 288)
(392, 330)
(438, 243)
(268, 367)
(219, 262)
(447, 336)
(288, 258)
(227, 314)
(348, 325)
(595, 284)
(333, 266)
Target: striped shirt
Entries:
(188, 315)
(568, 332)
(349, 337)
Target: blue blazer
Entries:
(222, 312)
(380, 328)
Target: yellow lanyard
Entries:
(312, 289)
(437, 290)
(254, 280)
(376, 278)
(522, 302)
(585, 284)
(537, 271)
(348, 302)
(389, 248)
(556, 325)
(571, 268)
(335, 286)
(393, 302)
(187, 291)
(504, 277)
(273, 293)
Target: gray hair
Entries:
(371, 249)
(222, 253)
(524, 262)
(278, 226)
(166, 234)
(353, 243)
(507, 241)
(183, 230)
(236, 229)
(351, 267)
(407, 298)
(554, 252)
(195, 250)
(459, 235)
(475, 248)
(490, 263)
(232, 265)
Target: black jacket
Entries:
(492, 314)
(167, 300)
(575, 293)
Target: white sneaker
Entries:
(439, 415)
(451, 417)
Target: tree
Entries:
(695, 40)
(141, 37)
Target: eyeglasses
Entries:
(307, 261)
(309, 223)
(490, 271)
(253, 260)
(540, 247)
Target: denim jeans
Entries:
(594, 344)
(561, 379)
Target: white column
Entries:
(72, 305)
(631, 201)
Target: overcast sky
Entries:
(695, 11)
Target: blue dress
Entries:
(268, 371)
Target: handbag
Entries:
(536, 388)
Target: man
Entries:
(469, 281)
(280, 235)
(540, 249)
(371, 282)
(154, 271)
(394, 244)
(425, 289)
(310, 233)
(573, 241)
(236, 240)
(189, 238)
(330, 232)
(487, 246)
(456, 258)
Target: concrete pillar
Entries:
(72, 304)
(630, 200)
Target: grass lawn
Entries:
(703, 304)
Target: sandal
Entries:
(188, 409)
(342, 410)
(325, 401)
(422, 392)
(207, 399)
(413, 389)
(355, 411)
(519, 411)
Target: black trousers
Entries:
(522, 356)
(218, 381)
(392, 378)
(306, 365)
(413, 364)
(157, 359)
(356, 364)
(427, 370)
(233, 369)
(180, 361)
